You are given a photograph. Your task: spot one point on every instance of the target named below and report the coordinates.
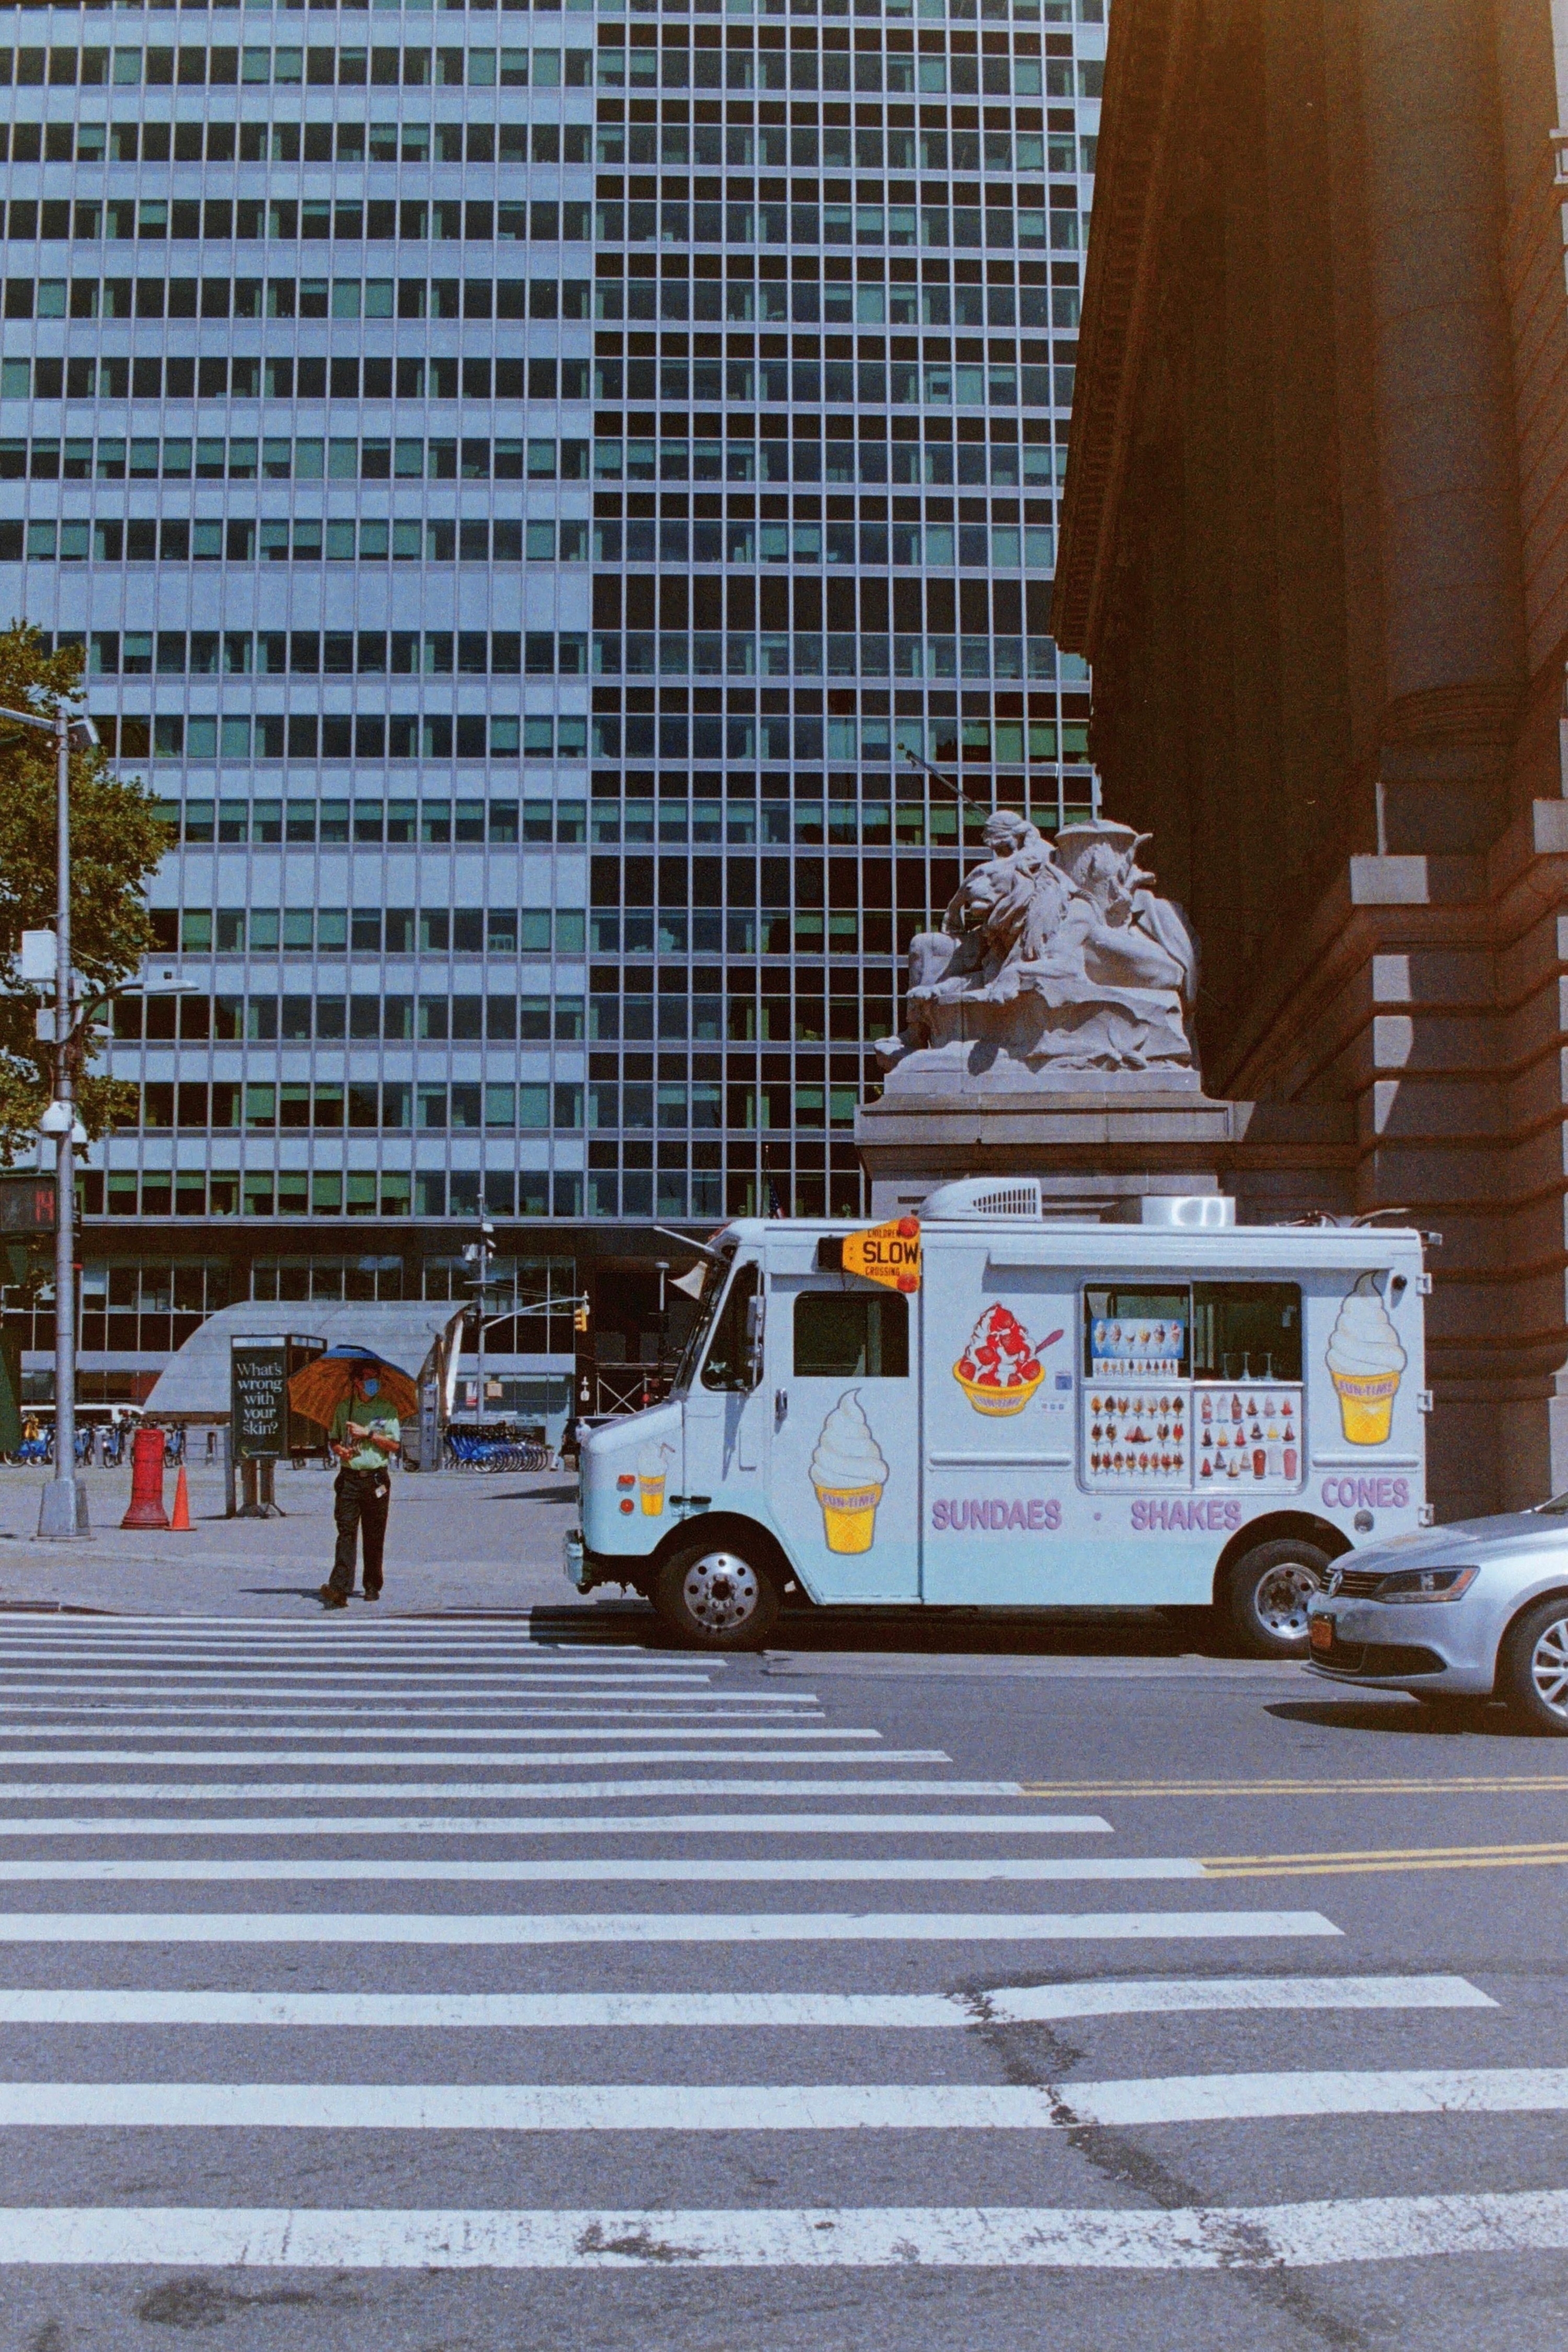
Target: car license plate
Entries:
(1322, 1635)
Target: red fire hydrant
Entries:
(146, 1481)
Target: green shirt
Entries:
(371, 1413)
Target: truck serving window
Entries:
(729, 1361)
(851, 1334)
(1247, 1331)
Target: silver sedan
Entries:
(1473, 1611)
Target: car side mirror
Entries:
(756, 1322)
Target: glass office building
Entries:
(522, 480)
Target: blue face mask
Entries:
(371, 1386)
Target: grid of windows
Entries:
(545, 843)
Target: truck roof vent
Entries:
(982, 1197)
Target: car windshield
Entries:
(697, 1338)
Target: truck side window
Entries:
(1247, 1331)
(851, 1334)
(728, 1364)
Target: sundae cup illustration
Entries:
(999, 1368)
(848, 1474)
(1365, 1361)
(652, 1470)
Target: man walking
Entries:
(364, 1434)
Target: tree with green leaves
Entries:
(117, 841)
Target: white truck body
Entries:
(1061, 1414)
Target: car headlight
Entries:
(1427, 1584)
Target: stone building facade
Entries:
(1315, 542)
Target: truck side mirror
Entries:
(756, 1320)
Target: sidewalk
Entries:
(457, 1541)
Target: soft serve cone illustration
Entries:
(1365, 1361)
(653, 1462)
(848, 1474)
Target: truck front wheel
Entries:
(716, 1599)
(1270, 1591)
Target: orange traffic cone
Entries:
(182, 1518)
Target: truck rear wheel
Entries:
(1270, 1589)
(714, 1598)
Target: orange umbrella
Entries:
(320, 1388)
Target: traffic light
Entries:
(579, 1316)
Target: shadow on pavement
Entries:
(299, 1591)
(1400, 1712)
(529, 1495)
(1123, 1633)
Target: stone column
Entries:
(1448, 474)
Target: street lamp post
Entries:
(63, 1511)
(479, 1254)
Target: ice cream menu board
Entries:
(1160, 1407)
(1250, 1436)
(1180, 1436)
(1139, 1336)
(1138, 1437)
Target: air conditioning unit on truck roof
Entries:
(1020, 1196)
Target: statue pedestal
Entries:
(1098, 1151)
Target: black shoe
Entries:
(330, 1598)
(373, 1592)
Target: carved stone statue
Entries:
(1055, 966)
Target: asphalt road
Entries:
(419, 1981)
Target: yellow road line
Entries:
(1474, 1784)
(1387, 1858)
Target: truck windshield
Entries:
(697, 1338)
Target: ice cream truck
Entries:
(986, 1408)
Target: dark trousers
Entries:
(362, 1500)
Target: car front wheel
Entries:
(714, 1598)
(1532, 1671)
(1270, 1592)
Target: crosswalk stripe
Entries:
(332, 1650)
(209, 1718)
(340, 1655)
(186, 1680)
(1119, 2238)
(668, 1727)
(525, 1927)
(718, 1736)
(355, 1753)
(702, 2011)
(130, 1631)
(671, 1870)
(703, 2107)
(316, 1826)
(500, 1785)
(721, 1705)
